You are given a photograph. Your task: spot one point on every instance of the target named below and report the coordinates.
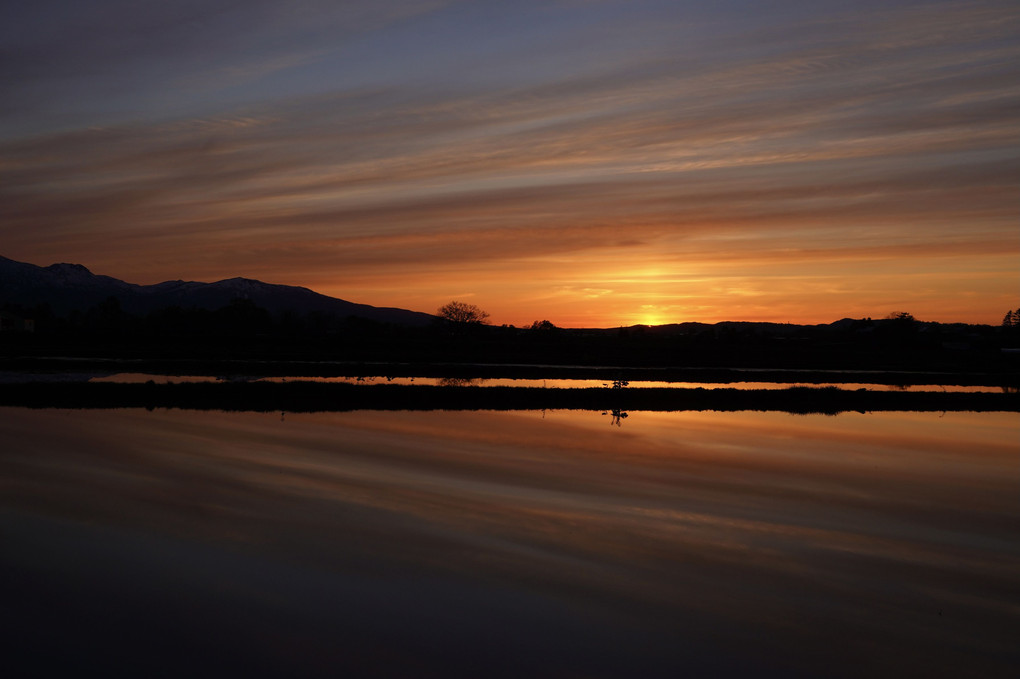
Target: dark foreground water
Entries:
(516, 544)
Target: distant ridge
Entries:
(72, 287)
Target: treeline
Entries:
(243, 330)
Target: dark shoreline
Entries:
(317, 396)
(251, 368)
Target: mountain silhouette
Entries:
(72, 287)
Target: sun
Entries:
(651, 319)
(650, 316)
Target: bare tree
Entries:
(461, 312)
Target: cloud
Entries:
(113, 58)
(876, 135)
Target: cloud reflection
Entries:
(816, 529)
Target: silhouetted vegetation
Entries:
(242, 330)
(462, 312)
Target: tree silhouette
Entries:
(461, 312)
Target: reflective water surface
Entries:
(8, 377)
(551, 383)
(511, 543)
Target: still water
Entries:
(566, 543)
(8, 377)
(543, 383)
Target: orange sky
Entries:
(593, 164)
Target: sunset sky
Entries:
(589, 162)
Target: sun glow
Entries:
(634, 178)
(650, 315)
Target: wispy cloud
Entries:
(882, 134)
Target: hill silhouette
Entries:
(65, 288)
(75, 313)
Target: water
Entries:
(511, 543)
(558, 383)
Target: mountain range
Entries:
(71, 287)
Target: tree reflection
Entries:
(618, 416)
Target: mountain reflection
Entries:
(513, 543)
